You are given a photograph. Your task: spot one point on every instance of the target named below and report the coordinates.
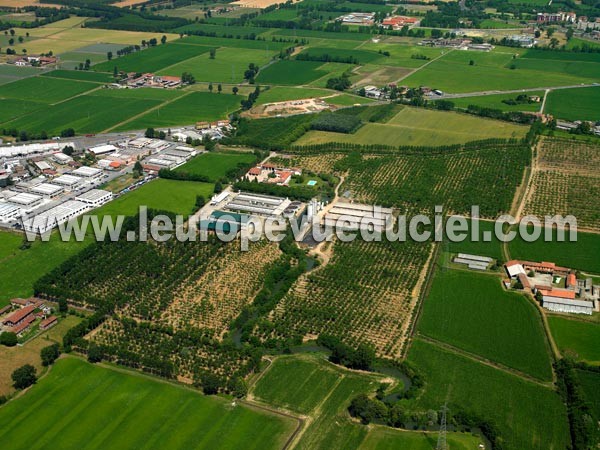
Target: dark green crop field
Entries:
(473, 312)
(82, 406)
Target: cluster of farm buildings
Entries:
(138, 80)
(557, 288)
(272, 174)
(35, 61)
(22, 315)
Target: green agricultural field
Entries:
(582, 254)
(168, 195)
(221, 30)
(529, 416)
(215, 42)
(495, 102)
(9, 244)
(380, 438)
(574, 104)
(85, 114)
(79, 405)
(576, 338)
(297, 33)
(363, 56)
(472, 311)
(216, 165)
(315, 381)
(493, 248)
(307, 384)
(44, 89)
(291, 72)
(401, 54)
(22, 268)
(348, 100)
(10, 73)
(492, 71)
(81, 75)
(187, 110)
(11, 108)
(228, 65)
(152, 59)
(418, 127)
(284, 93)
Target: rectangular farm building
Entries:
(567, 306)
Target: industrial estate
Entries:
(306, 118)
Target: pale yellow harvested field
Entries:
(69, 39)
(23, 3)
(255, 3)
(127, 3)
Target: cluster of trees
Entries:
(24, 135)
(152, 133)
(251, 72)
(361, 358)
(339, 123)
(302, 193)
(326, 57)
(50, 354)
(339, 83)
(278, 281)
(252, 97)
(188, 78)
(509, 116)
(182, 175)
(519, 100)
(8, 339)
(420, 56)
(24, 376)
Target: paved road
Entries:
(514, 91)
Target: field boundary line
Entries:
(416, 69)
(424, 292)
(315, 413)
(130, 119)
(486, 362)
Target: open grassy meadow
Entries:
(215, 165)
(473, 311)
(284, 93)
(168, 195)
(576, 338)
(529, 416)
(412, 126)
(22, 268)
(29, 352)
(498, 70)
(79, 405)
(187, 110)
(574, 104)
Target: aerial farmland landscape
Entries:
(312, 224)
